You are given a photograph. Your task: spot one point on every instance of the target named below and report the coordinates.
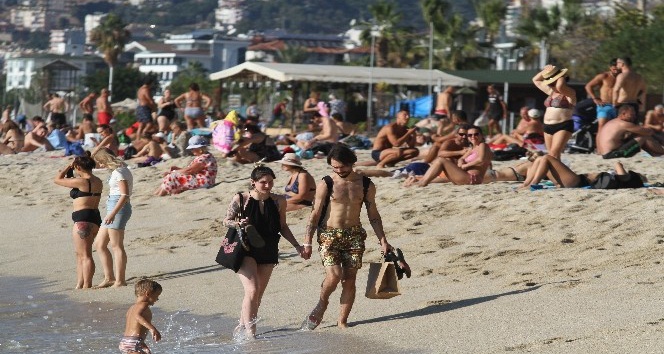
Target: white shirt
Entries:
(120, 174)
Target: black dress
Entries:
(268, 226)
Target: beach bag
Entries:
(482, 120)
(382, 282)
(74, 148)
(232, 249)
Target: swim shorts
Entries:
(343, 247)
(131, 344)
(59, 119)
(143, 114)
(104, 118)
(629, 148)
(440, 113)
(375, 154)
(193, 112)
(606, 111)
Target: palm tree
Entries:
(385, 20)
(110, 37)
(292, 54)
(541, 25)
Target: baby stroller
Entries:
(585, 128)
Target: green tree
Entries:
(110, 37)
(127, 80)
(194, 72)
(385, 21)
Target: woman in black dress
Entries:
(264, 218)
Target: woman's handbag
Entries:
(232, 250)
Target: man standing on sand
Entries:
(621, 137)
(606, 82)
(495, 109)
(341, 237)
(146, 106)
(57, 106)
(104, 110)
(395, 142)
(87, 104)
(630, 88)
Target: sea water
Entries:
(35, 321)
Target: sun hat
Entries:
(534, 113)
(553, 74)
(291, 159)
(196, 142)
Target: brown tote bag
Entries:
(382, 282)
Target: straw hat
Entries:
(553, 74)
(291, 159)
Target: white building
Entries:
(215, 53)
(21, 69)
(92, 21)
(67, 42)
(39, 15)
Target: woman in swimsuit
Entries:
(166, 112)
(86, 193)
(12, 138)
(196, 103)
(557, 172)
(265, 213)
(118, 212)
(558, 124)
(310, 106)
(469, 169)
(301, 186)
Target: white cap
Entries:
(534, 113)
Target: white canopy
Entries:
(339, 73)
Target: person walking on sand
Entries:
(57, 106)
(118, 212)
(139, 318)
(87, 104)
(86, 192)
(340, 234)
(264, 219)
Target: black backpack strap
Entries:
(366, 182)
(241, 211)
(326, 203)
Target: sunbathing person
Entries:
(529, 131)
(622, 137)
(329, 134)
(254, 146)
(564, 177)
(395, 142)
(36, 139)
(301, 186)
(152, 152)
(108, 141)
(12, 138)
(470, 168)
(200, 173)
(458, 118)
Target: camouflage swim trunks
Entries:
(342, 246)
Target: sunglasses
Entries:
(473, 135)
(462, 134)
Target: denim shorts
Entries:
(121, 217)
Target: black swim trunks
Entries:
(143, 114)
(375, 154)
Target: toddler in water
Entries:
(139, 318)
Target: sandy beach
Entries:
(494, 270)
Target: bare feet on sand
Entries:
(315, 317)
(105, 284)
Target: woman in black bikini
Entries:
(557, 172)
(301, 186)
(86, 193)
(558, 124)
(264, 219)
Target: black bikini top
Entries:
(76, 193)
